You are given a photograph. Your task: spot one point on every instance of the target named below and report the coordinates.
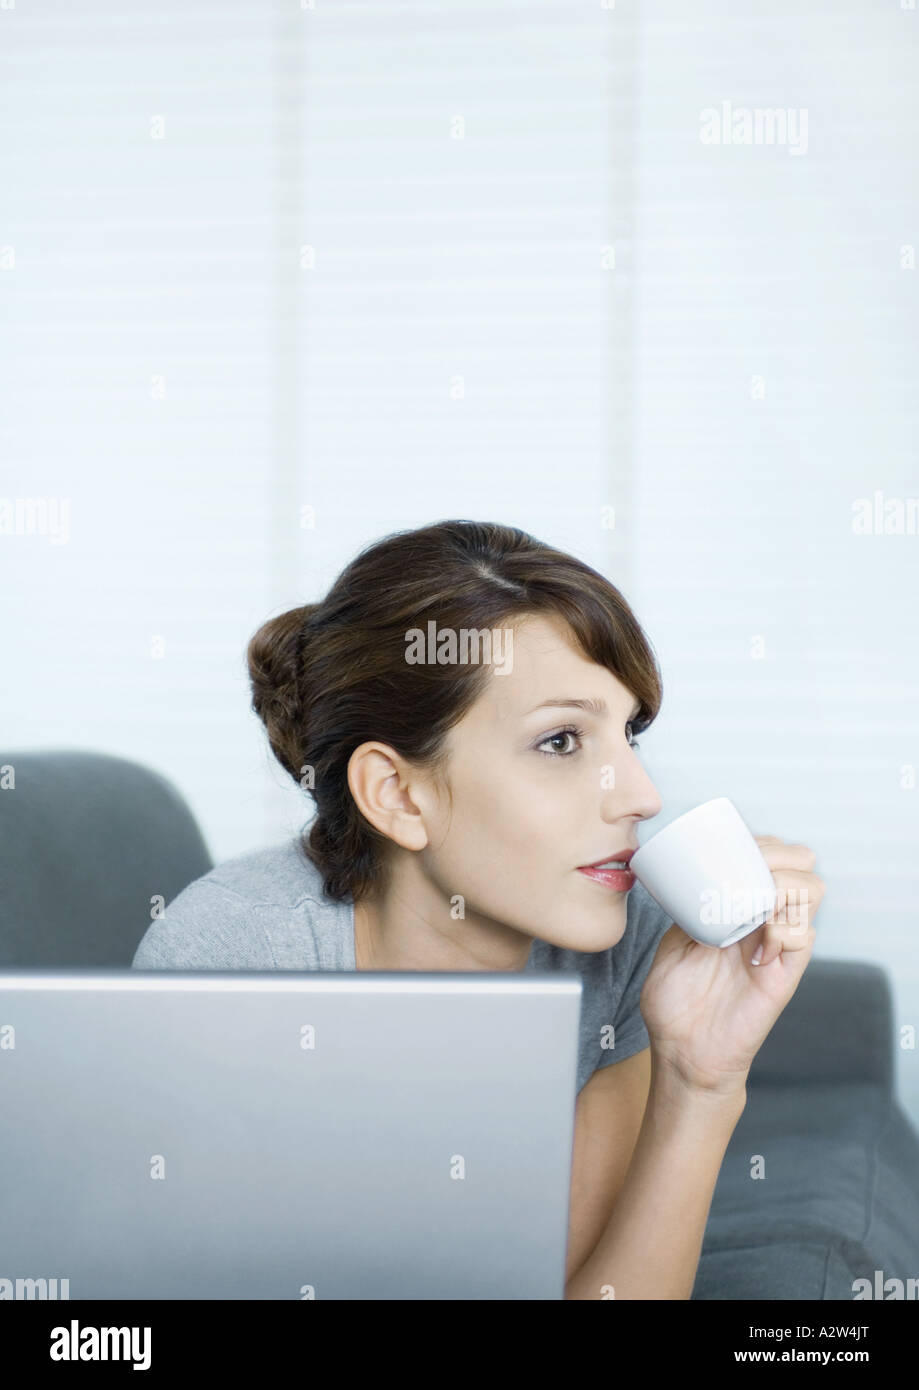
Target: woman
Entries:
(462, 706)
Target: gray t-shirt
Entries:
(266, 910)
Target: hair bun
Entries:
(275, 658)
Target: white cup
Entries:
(707, 872)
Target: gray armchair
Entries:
(839, 1196)
(88, 840)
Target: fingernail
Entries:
(757, 956)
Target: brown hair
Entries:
(332, 675)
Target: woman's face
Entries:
(530, 802)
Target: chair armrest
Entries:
(838, 1026)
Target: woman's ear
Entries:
(381, 783)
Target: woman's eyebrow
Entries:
(591, 706)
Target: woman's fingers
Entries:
(778, 940)
(790, 926)
(799, 892)
(798, 895)
(779, 855)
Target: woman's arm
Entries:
(651, 1245)
(707, 1012)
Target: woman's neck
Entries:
(412, 927)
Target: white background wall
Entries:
(284, 280)
(775, 347)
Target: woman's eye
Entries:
(563, 734)
(555, 738)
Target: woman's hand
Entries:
(708, 1009)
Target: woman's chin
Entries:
(593, 933)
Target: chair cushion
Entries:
(87, 840)
(838, 1199)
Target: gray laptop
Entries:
(286, 1135)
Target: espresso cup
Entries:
(707, 872)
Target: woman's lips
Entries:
(621, 880)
